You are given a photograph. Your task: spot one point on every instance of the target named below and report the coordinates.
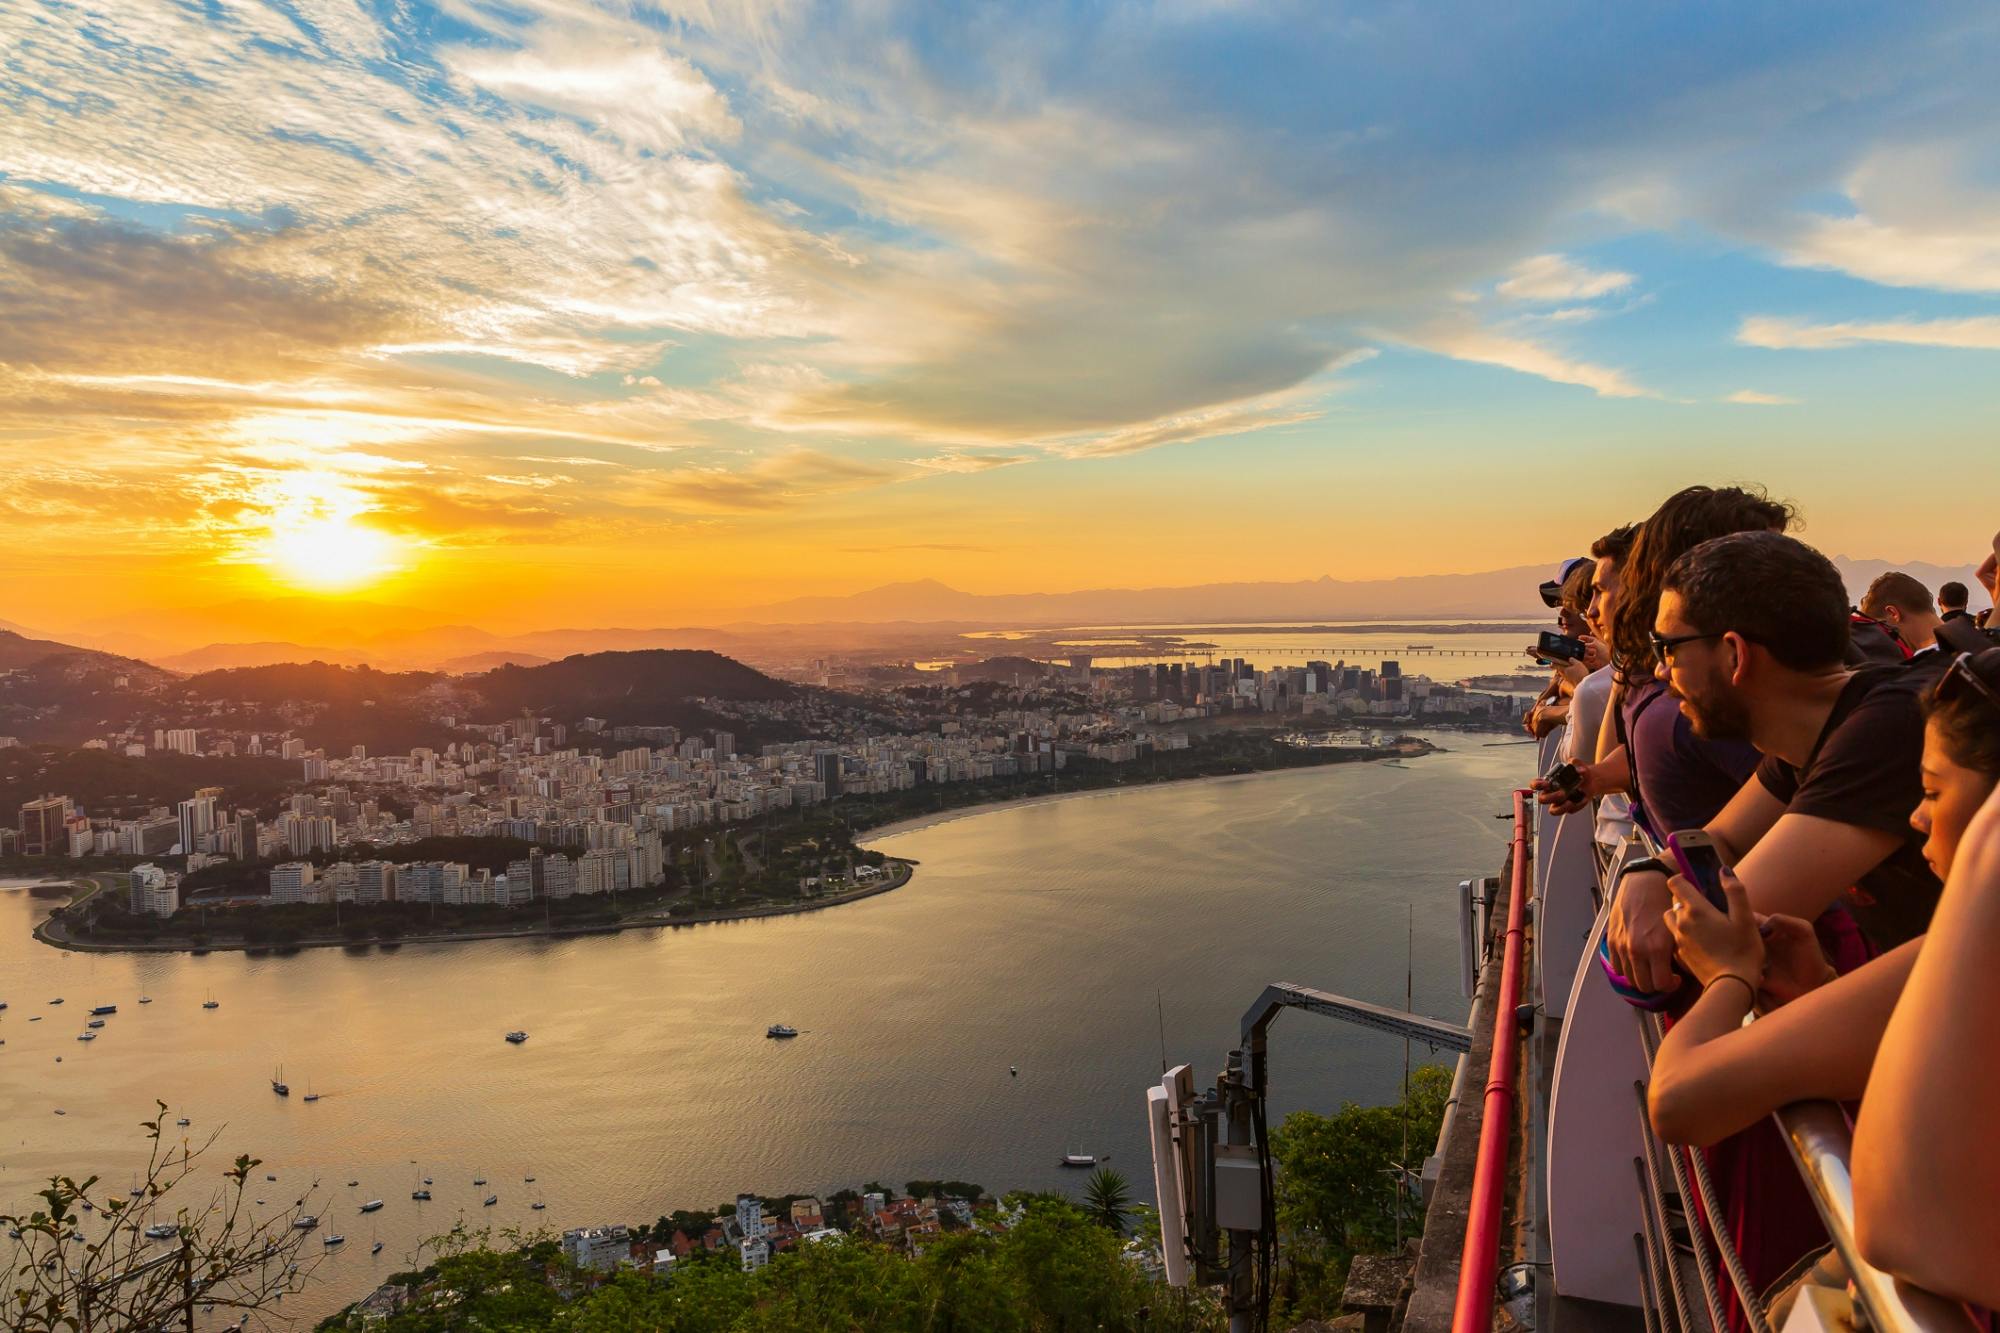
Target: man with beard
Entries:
(1750, 638)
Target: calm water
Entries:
(1034, 936)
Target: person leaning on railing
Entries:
(1678, 779)
(1819, 1035)
(1569, 593)
(1751, 633)
(1926, 1154)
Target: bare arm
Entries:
(1713, 1077)
(1739, 826)
(1805, 863)
(1926, 1158)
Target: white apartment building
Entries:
(599, 1248)
(294, 882)
(155, 892)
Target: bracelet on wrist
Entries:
(1731, 976)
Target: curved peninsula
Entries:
(736, 872)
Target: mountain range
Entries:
(895, 620)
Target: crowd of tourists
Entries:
(1818, 776)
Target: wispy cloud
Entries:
(1756, 398)
(1972, 332)
(1555, 278)
(783, 481)
(1464, 340)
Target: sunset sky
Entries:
(540, 311)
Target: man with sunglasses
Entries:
(1751, 637)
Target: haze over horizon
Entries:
(542, 313)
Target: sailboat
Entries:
(310, 1096)
(278, 1082)
(211, 1002)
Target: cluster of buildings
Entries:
(540, 875)
(600, 799)
(754, 1236)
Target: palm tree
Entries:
(1105, 1198)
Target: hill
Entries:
(649, 686)
(18, 650)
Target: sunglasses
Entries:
(1961, 676)
(1663, 647)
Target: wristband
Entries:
(1644, 863)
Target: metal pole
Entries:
(1479, 1262)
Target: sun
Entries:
(328, 554)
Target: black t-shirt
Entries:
(1866, 770)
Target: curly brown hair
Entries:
(1688, 518)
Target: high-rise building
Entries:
(375, 882)
(197, 821)
(725, 745)
(44, 826)
(826, 767)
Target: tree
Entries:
(85, 1261)
(1340, 1185)
(1107, 1199)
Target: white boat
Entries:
(183, 1122)
(162, 1231)
(376, 1248)
(95, 1023)
(305, 1223)
(517, 1036)
(491, 1199)
(371, 1205)
(335, 1239)
(86, 1036)
(1078, 1159)
(781, 1030)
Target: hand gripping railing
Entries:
(1820, 1142)
(1479, 1262)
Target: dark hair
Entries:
(1969, 724)
(1772, 589)
(1687, 519)
(1896, 589)
(1615, 544)
(1952, 594)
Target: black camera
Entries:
(1565, 779)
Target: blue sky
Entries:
(736, 284)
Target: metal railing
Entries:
(1675, 1183)
(1818, 1135)
(1479, 1261)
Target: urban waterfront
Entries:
(1035, 936)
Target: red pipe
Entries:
(1478, 1264)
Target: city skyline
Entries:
(635, 314)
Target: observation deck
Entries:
(1549, 1203)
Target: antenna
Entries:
(1160, 1002)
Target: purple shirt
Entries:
(1683, 780)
